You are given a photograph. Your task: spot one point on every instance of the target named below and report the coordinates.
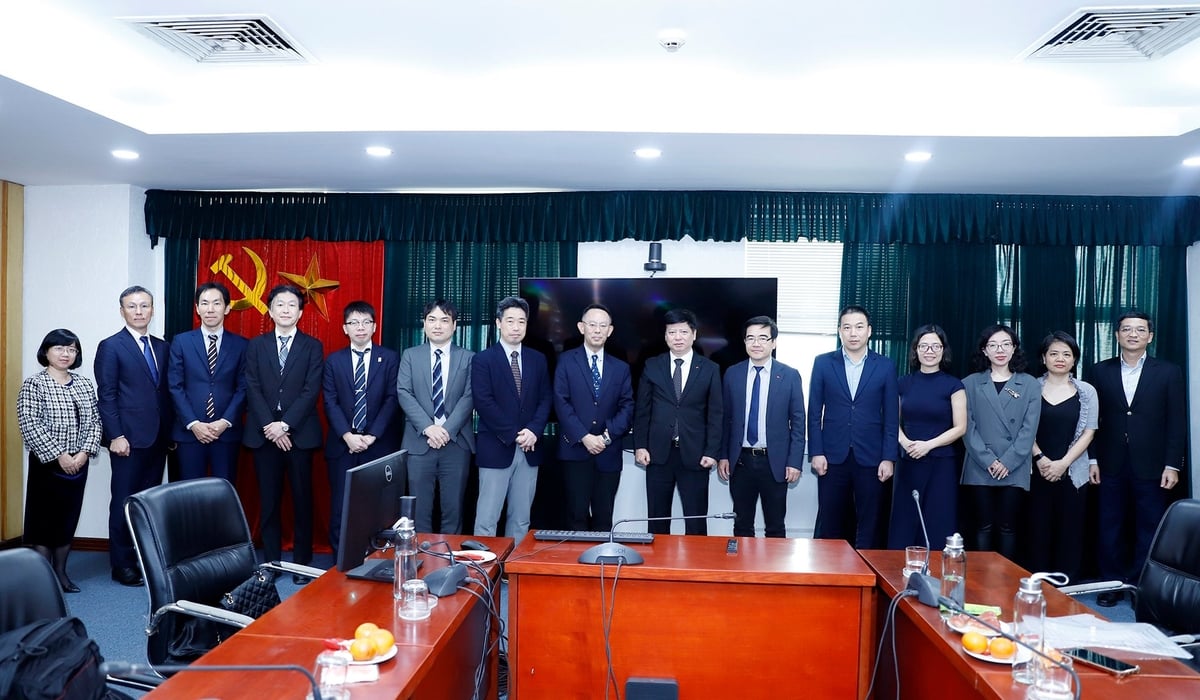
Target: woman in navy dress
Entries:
(933, 415)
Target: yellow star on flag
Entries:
(313, 285)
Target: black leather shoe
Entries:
(127, 576)
(1108, 599)
(300, 580)
(68, 586)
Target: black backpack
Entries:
(50, 659)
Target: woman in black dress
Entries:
(60, 424)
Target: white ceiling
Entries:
(512, 95)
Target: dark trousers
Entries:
(849, 488)
(1054, 528)
(446, 471)
(589, 491)
(336, 471)
(935, 479)
(139, 471)
(751, 479)
(1126, 504)
(270, 466)
(661, 480)
(219, 459)
(997, 516)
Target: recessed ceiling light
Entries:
(918, 156)
(647, 153)
(379, 151)
(1193, 162)
(125, 154)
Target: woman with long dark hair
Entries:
(1003, 407)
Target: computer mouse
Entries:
(472, 544)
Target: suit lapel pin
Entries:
(1012, 393)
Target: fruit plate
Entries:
(477, 556)
(962, 626)
(377, 659)
(989, 658)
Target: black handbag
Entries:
(254, 596)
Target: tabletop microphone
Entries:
(958, 608)
(926, 587)
(151, 674)
(444, 581)
(611, 552)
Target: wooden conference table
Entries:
(932, 663)
(781, 618)
(435, 658)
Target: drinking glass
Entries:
(914, 559)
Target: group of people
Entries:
(210, 392)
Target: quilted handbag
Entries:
(254, 596)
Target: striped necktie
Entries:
(439, 393)
(283, 351)
(210, 406)
(516, 371)
(360, 391)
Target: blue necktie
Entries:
(595, 378)
(439, 394)
(150, 359)
(360, 391)
(752, 419)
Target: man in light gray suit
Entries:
(434, 389)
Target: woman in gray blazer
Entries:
(1003, 406)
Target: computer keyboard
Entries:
(593, 536)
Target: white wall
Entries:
(689, 258)
(83, 246)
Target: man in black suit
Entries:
(136, 412)
(593, 397)
(677, 426)
(360, 405)
(1139, 447)
(283, 380)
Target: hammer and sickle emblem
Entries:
(251, 297)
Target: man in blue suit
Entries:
(764, 432)
(208, 388)
(593, 398)
(511, 387)
(360, 404)
(434, 387)
(135, 410)
(853, 424)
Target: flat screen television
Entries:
(370, 504)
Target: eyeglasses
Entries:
(993, 347)
(358, 323)
(929, 347)
(65, 349)
(758, 339)
(1134, 330)
(591, 325)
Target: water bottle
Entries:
(406, 556)
(1029, 625)
(954, 571)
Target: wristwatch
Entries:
(1038, 456)
(606, 438)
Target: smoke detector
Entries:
(672, 39)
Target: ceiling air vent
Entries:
(1119, 34)
(247, 39)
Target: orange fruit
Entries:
(1002, 648)
(974, 642)
(365, 630)
(382, 640)
(362, 650)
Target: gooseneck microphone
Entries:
(443, 582)
(953, 605)
(927, 587)
(611, 552)
(124, 669)
(925, 533)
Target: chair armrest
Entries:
(1097, 587)
(204, 612)
(292, 568)
(1185, 640)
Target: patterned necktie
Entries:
(677, 379)
(439, 394)
(595, 378)
(516, 370)
(360, 391)
(210, 406)
(283, 351)
(752, 419)
(150, 359)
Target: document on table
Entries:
(1090, 631)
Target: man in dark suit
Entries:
(853, 425)
(135, 410)
(283, 380)
(593, 398)
(1138, 450)
(208, 388)
(764, 432)
(434, 388)
(677, 426)
(360, 405)
(511, 388)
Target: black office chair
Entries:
(194, 546)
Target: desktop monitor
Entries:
(371, 503)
